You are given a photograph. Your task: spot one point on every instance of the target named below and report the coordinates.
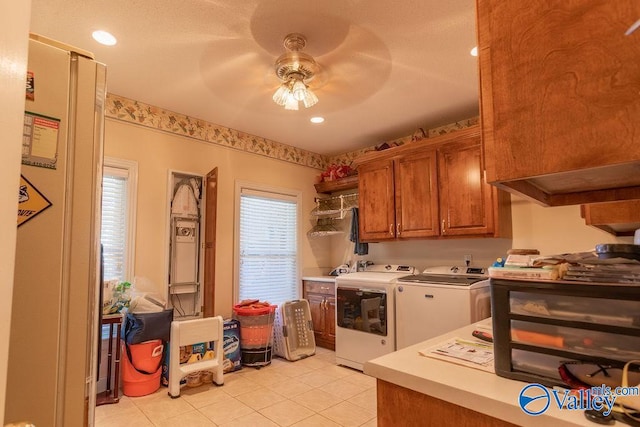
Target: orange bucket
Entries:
(136, 383)
(147, 355)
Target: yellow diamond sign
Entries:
(30, 201)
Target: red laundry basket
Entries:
(256, 332)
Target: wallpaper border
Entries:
(141, 114)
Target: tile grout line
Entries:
(279, 370)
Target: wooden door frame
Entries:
(209, 285)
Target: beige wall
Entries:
(555, 230)
(157, 152)
(14, 33)
(552, 231)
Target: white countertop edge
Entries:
(331, 279)
(474, 389)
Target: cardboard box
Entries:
(231, 346)
(232, 359)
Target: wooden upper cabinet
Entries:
(432, 188)
(620, 218)
(560, 99)
(376, 207)
(466, 201)
(416, 194)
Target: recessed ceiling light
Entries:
(316, 119)
(474, 51)
(104, 38)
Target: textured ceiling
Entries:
(388, 67)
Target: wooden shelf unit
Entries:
(342, 184)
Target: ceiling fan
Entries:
(333, 60)
(295, 69)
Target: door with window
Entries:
(267, 244)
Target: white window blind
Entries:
(268, 246)
(114, 223)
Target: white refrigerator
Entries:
(54, 323)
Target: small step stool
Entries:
(188, 332)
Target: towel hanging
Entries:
(359, 248)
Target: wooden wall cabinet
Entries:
(400, 197)
(620, 218)
(322, 303)
(434, 188)
(561, 115)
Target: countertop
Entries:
(331, 279)
(471, 388)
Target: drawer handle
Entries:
(325, 288)
(632, 28)
(428, 296)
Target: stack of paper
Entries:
(474, 354)
(608, 273)
(543, 273)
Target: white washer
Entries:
(440, 300)
(365, 314)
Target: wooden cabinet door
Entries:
(322, 304)
(618, 218)
(330, 319)
(559, 98)
(316, 306)
(376, 201)
(416, 194)
(466, 205)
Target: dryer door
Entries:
(362, 309)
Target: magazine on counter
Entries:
(474, 354)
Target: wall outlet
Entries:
(468, 259)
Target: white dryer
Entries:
(365, 313)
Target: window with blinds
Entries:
(268, 246)
(119, 182)
(114, 223)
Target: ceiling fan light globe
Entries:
(291, 104)
(281, 95)
(310, 99)
(299, 90)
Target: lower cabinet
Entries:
(322, 302)
(402, 407)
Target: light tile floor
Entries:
(313, 392)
